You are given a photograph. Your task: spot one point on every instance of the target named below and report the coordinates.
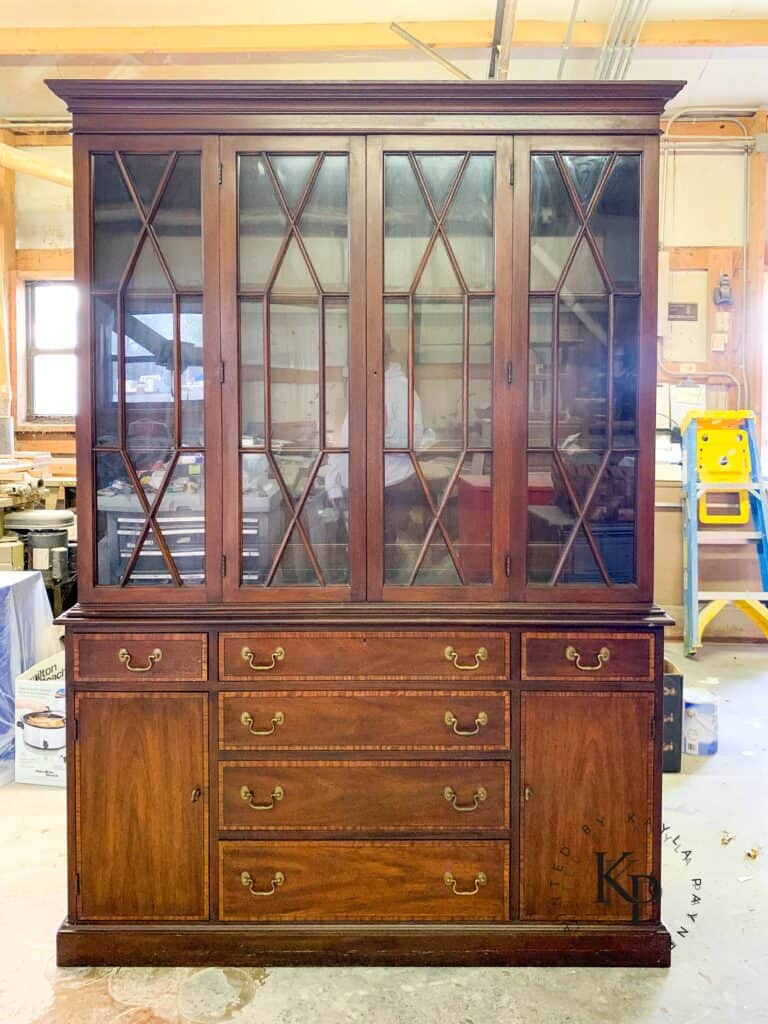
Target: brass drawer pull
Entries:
(452, 722)
(247, 795)
(450, 881)
(451, 796)
(277, 880)
(603, 655)
(277, 655)
(246, 719)
(481, 654)
(125, 658)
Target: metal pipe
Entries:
(417, 43)
(568, 37)
(508, 20)
(624, 64)
(617, 27)
(618, 51)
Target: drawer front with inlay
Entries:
(140, 657)
(259, 657)
(587, 657)
(364, 720)
(360, 795)
(357, 881)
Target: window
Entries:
(51, 361)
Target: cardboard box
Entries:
(41, 753)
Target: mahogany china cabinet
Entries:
(366, 667)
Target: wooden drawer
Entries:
(258, 657)
(587, 657)
(356, 881)
(143, 657)
(364, 720)
(360, 795)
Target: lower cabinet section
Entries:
(356, 881)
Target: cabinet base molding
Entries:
(364, 945)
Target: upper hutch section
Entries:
(348, 342)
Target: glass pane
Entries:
(181, 517)
(439, 171)
(264, 518)
(178, 223)
(438, 329)
(336, 373)
(292, 172)
(295, 471)
(295, 568)
(582, 468)
(54, 385)
(467, 517)
(55, 315)
(438, 568)
(406, 518)
(438, 471)
(585, 171)
(540, 312)
(439, 277)
(116, 222)
(396, 403)
(554, 223)
(480, 372)
(115, 500)
(294, 374)
(583, 277)
(616, 222)
(551, 516)
(150, 411)
(612, 517)
(145, 171)
(581, 566)
(262, 223)
(105, 371)
(469, 223)
(294, 277)
(625, 348)
(325, 518)
(192, 392)
(151, 568)
(582, 415)
(408, 224)
(148, 274)
(252, 373)
(323, 224)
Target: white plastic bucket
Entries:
(700, 723)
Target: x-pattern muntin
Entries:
(581, 508)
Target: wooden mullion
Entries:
(411, 381)
(177, 367)
(321, 373)
(296, 521)
(432, 526)
(581, 510)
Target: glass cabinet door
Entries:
(292, 421)
(584, 282)
(149, 416)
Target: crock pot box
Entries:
(40, 730)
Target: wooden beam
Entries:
(16, 160)
(60, 261)
(362, 36)
(7, 264)
(705, 129)
(35, 139)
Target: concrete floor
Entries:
(719, 972)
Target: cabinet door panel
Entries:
(142, 806)
(586, 801)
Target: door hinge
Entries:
(77, 882)
(221, 172)
(653, 728)
(512, 172)
(223, 566)
(510, 371)
(508, 564)
(222, 371)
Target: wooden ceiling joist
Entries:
(474, 34)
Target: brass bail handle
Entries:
(248, 655)
(603, 655)
(453, 723)
(480, 879)
(481, 655)
(246, 719)
(451, 796)
(152, 659)
(276, 795)
(277, 880)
